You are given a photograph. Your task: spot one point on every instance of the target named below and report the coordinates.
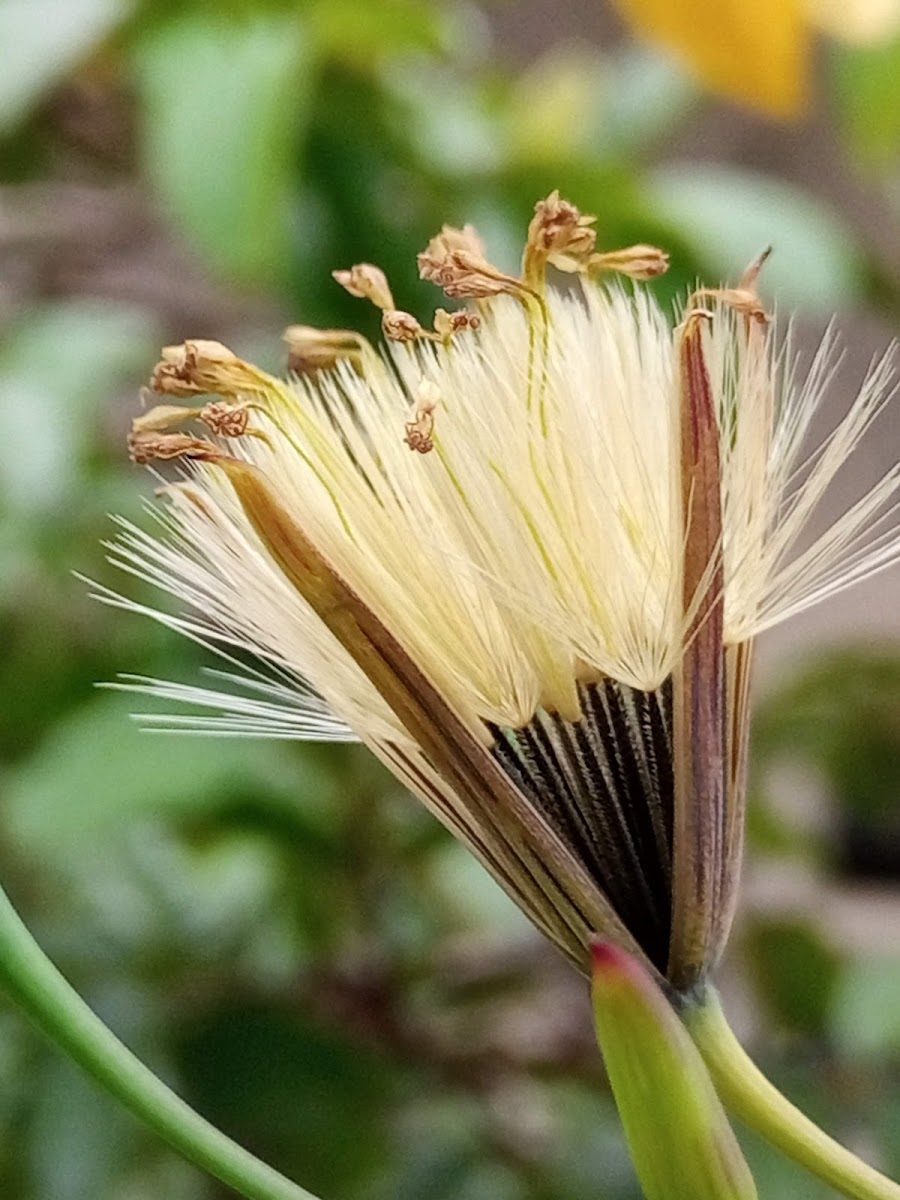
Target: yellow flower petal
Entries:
(754, 53)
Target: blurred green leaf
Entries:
(865, 1016)
(42, 41)
(360, 33)
(842, 717)
(579, 104)
(588, 1143)
(201, 901)
(796, 972)
(474, 896)
(58, 365)
(556, 107)
(96, 772)
(648, 97)
(14, 1064)
(222, 104)
(886, 1120)
(867, 90)
(447, 122)
(777, 1178)
(439, 1131)
(309, 1100)
(167, 1177)
(729, 216)
(80, 1140)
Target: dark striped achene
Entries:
(605, 785)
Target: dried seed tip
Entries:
(226, 420)
(419, 431)
(447, 323)
(146, 447)
(398, 326)
(311, 350)
(368, 282)
(750, 277)
(559, 234)
(454, 260)
(640, 262)
(203, 367)
(462, 276)
(744, 298)
(163, 417)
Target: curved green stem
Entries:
(747, 1093)
(56, 1008)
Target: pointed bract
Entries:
(699, 676)
(681, 1143)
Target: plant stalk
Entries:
(746, 1092)
(33, 982)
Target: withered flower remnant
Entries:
(455, 260)
(202, 367)
(311, 350)
(641, 263)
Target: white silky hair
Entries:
(538, 543)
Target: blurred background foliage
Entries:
(276, 928)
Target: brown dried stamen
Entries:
(145, 447)
(562, 236)
(454, 260)
(367, 282)
(226, 420)
(640, 262)
(559, 234)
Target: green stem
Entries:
(56, 1008)
(749, 1095)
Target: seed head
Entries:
(537, 605)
